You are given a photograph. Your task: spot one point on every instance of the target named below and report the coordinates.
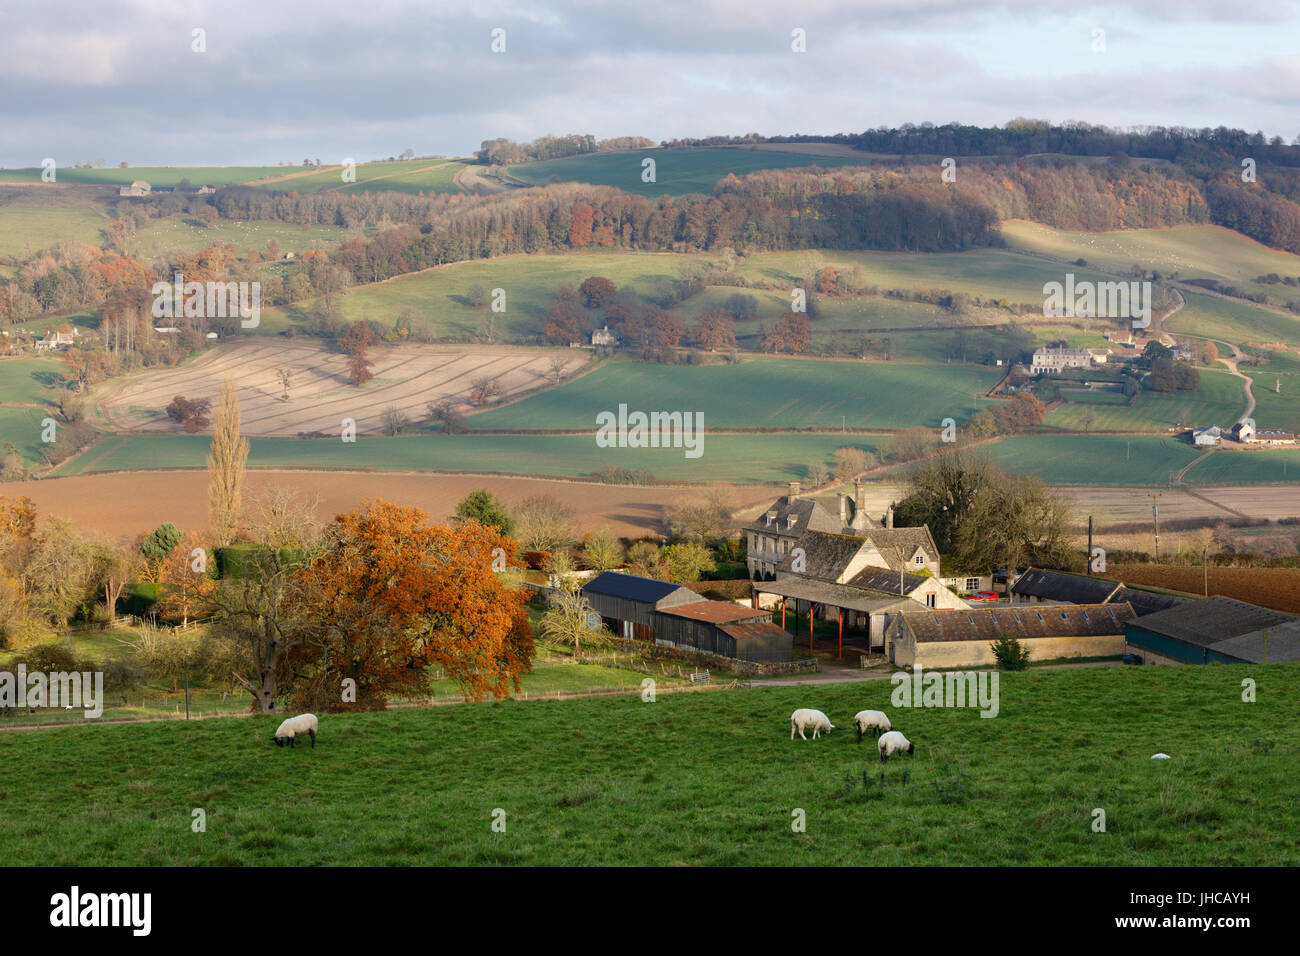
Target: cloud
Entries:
(280, 81)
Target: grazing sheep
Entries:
(807, 719)
(873, 720)
(293, 727)
(893, 743)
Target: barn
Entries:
(1215, 630)
(965, 638)
(722, 627)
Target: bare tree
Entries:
(557, 366)
(283, 373)
(226, 461)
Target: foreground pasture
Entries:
(697, 778)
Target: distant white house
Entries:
(604, 337)
(58, 340)
(1207, 436)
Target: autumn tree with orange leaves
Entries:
(391, 595)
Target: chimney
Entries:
(860, 495)
(889, 517)
(794, 490)
(844, 509)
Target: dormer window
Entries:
(790, 520)
(771, 516)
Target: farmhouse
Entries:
(867, 579)
(773, 534)
(1049, 361)
(137, 188)
(604, 337)
(59, 340)
(1213, 630)
(964, 638)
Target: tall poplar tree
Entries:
(226, 461)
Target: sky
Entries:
(283, 80)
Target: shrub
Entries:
(121, 674)
(51, 657)
(1011, 655)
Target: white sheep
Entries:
(806, 718)
(293, 727)
(894, 743)
(873, 720)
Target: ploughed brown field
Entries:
(126, 503)
(1278, 588)
(409, 378)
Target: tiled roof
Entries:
(882, 579)
(989, 624)
(825, 555)
(1272, 645)
(1145, 602)
(809, 514)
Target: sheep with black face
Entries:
(295, 727)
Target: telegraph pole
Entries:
(1155, 513)
(1088, 560)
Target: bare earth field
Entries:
(127, 503)
(409, 377)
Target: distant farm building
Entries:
(58, 340)
(1247, 433)
(1207, 437)
(1054, 361)
(604, 337)
(138, 188)
(671, 615)
(965, 638)
(1037, 586)
(1215, 630)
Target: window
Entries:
(972, 584)
(920, 559)
(929, 600)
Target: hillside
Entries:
(694, 778)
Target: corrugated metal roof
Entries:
(754, 631)
(716, 612)
(631, 587)
(1208, 621)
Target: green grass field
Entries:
(29, 380)
(1092, 459)
(1220, 399)
(1239, 467)
(726, 457)
(28, 227)
(1238, 322)
(701, 778)
(153, 175)
(677, 171)
(22, 426)
(1194, 252)
(163, 238)
(762, 393)
(419, 175)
